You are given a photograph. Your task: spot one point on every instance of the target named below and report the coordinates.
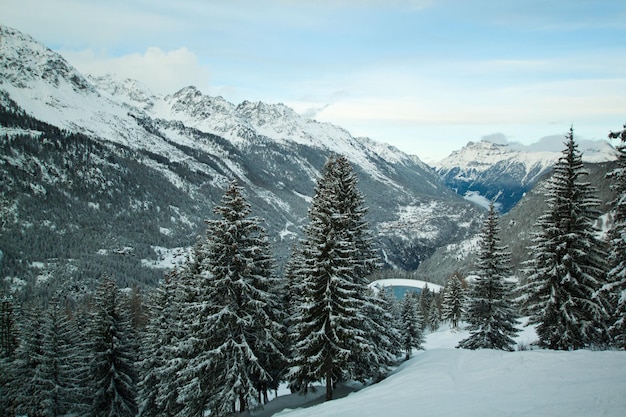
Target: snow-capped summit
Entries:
(484, 170)
(25, 62)
(127, 90)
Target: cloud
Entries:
(164, 72)
(312, 112)
(552, 143)
(497, 138)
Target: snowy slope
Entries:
(444, 381)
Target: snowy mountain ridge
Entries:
(110, 149)
(35, 75)
(480, 156)
(505, 172)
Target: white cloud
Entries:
(497, 138)
(164, 72)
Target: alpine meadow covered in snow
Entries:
(183, 256)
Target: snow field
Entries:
(444, 381)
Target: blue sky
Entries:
(424, 75)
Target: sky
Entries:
(426, 76)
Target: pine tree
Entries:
(392, 318)
(385, 337)
(293, 286)
(425, 300)
(567, 264)
(8, 346)
(182, 390)
(8, 328)
(57, 377)
(615, 289)
(434, 313)
(81, 356)
(490, 313)
(332, 330)
(113, 378)
(157, 392)
(412, 325)
(28, 356)
(453, 306)
(238, 327)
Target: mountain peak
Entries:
(23, 60)
(505, 171)
(130, 91)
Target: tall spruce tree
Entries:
(182, 391)
(158, 366)
(490, 312)
(234, 337)
(567, 264)
(28, 356)
(113, 377)
(293, 292)
(434, 313)
(333, 328)
(8, 346)
(453, 305)
(57, 375)
(412, 324)
(8, 327)
(615, 288)
(384, 335)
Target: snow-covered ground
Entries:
(444, 381)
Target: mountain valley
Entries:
(99, 175)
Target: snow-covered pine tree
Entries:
(567, 264)
(113, 378)
(434, 313)
(184, 391)
(385, 337)
(453, 306)
(57, 375)
(28, 356)
(424, 302)
(7, 404)
(490, 312)
(158, 366)
(234, 336)
(8, 345)
(392, 319)
(411, 324)
(615, 289)
(8, 328)
(293, 293)
(332, 324)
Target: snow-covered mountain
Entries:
(94, 168)
(483, 171)
(517, 227)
